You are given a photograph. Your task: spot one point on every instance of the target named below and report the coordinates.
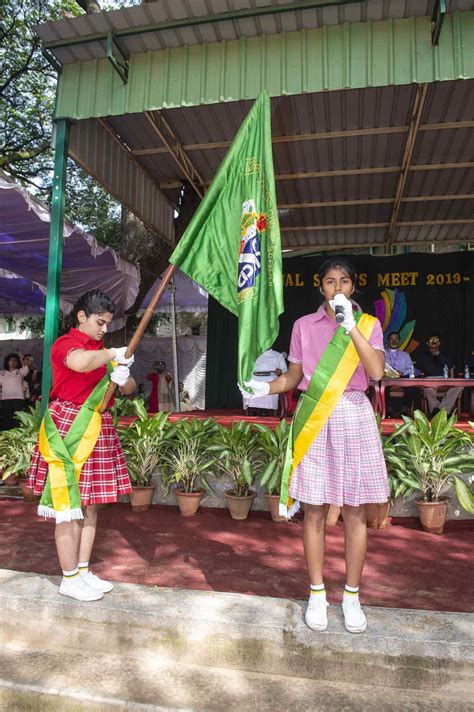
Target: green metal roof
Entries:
(346, 80)
(352, 55)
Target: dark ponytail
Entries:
(93, 302)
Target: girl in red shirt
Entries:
(79, 362)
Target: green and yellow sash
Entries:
(61, 499)
(328, 382)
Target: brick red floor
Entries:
(405, 566)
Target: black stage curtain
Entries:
(438, 290)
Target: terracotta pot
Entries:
(239, 507)
(377, 515)
(11, 481)
(333, 515)
(273, 505)
(188, 502)
(433, 515)
(141, 497)
(27, 492)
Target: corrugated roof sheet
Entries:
(311, 61)
(160, 12)
(96, 149)
(312, 134)
(338, 154)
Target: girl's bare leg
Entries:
(313, 540)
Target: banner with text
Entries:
(415, 294)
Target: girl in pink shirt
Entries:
(344, 465)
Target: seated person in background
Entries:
(431, 362)
(401, 362)
(267, 366)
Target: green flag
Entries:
(232, 245)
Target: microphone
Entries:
(339, 311)
(338, 308)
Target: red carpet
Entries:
(405, 567)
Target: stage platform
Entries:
(405, 567)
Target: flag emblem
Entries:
(252, 225)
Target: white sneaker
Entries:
(77, 588)
(97, 583)
(316, 615)
(354, 617)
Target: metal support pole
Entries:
(55, 253)
(174, 342)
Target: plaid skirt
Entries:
(345, 462)
(104, 475)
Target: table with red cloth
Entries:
(381, 386)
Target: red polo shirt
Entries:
(68, 384)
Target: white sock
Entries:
(317, 589)
(83, 567)
(70, 575)
(351, 591)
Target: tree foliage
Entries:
(27, 91)
(27, 87)
(27, 94)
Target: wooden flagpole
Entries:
(140, 330)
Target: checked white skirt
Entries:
(345, 463)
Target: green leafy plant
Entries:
(240, 454)
(423, 456)
(143, 442)
(396, 466)
(189, 458)
(126, 406)
(273, 444)
(18, 444)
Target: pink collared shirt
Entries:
(310, 336)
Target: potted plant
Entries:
(240, 458)
(17, 447)
(428, 456)
(188, 461)
(273, 444)
(143, 442)
(124, 406)
(377, 513)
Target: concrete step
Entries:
(174, 635)
(41, 680)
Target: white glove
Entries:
(342, 301)
(120, 356)
(259, 388)
(120, 375)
